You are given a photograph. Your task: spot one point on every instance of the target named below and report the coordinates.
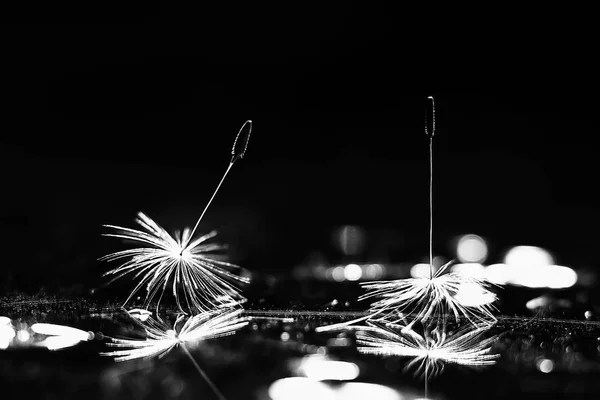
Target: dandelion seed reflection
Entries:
(162, 338)
(429, 351)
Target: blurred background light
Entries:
(587, 276)
(471, 249)
(538, 302)
(361, 391)
(337, 273)
(474, 295)
(319, 271)
(373, 271)
(298, 388)
(320, 368)
(545, 365)
(140, 314)
(352, 272)
(7, 333)
(471, 269)
(61, 330)
(350, 240)
(528, 256)
(499, 274)
(58, 342)
(559, 277)
(420, 270)
(23, 336)
(541, 276)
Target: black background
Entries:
(109, 112)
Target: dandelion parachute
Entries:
(432, 297)
(198, 279)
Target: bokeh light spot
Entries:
(319, 368)
(362, 390)
(352, 272)
(471, 249)
(528, 256)
(420, 270)
(297, 388)
(545, 365)
(338, 274)
(23, 335)
(350, 239)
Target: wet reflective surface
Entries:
(551, 351)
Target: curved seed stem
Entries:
(240, 145)
(210, 201)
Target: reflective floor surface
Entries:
(550, 353)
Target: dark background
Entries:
(110, 112)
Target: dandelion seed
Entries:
(197, 280)
(427, 300)
(190, 266)
(162, 338)
(430, 297)
(429, 351)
